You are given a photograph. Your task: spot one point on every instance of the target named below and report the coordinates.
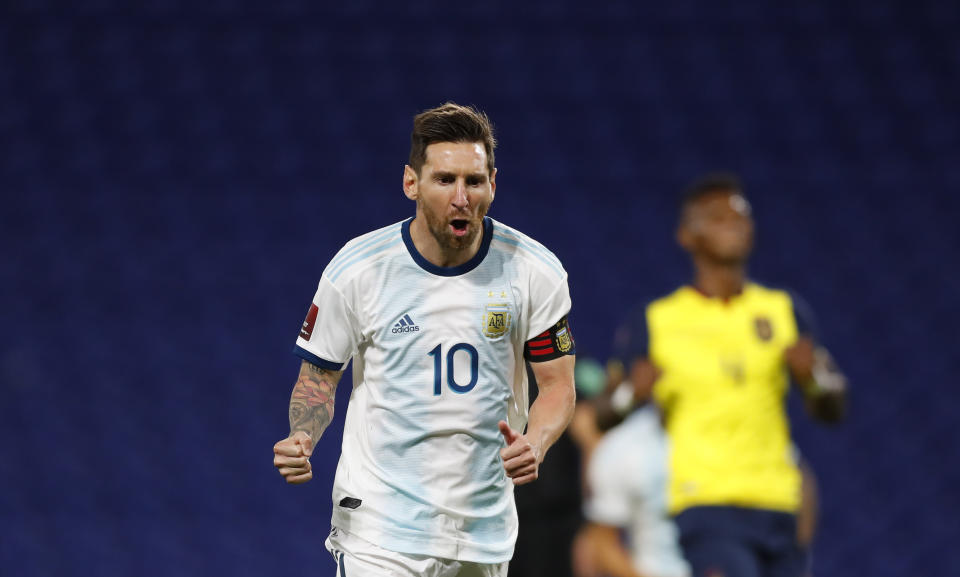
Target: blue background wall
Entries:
(175, 177)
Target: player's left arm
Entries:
(549, 416)
(824, 387)
(552, 358)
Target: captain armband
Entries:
(552, 343)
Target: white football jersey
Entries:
(437, 362)
(627, 477)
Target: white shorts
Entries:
(356, 557)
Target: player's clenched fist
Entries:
(520, 460)
(291, 457)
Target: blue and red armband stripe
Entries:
(552, 343)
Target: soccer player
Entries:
(627, 476)
(717, 356)
(438, 313)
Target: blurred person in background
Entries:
(717, 356)
(627, 477)
(629, 532)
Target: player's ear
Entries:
(493, 184)
(410, 182)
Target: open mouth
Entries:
(460, 226)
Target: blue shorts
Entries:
(741, 542)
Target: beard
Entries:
(440, 226)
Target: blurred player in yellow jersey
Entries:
(717, 356)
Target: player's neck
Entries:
(437, 254)
(721, 281)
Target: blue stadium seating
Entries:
(175, 175)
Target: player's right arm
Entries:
(311, 410)
(311, 404)
(326, 342)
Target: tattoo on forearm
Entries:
(311, 404)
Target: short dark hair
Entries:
(450, 122)
(708, 184)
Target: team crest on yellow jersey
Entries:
(496, 320)
(764, 328)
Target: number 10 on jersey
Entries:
(451, 358)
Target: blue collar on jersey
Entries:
(449, 270)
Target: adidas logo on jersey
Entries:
(405, 325)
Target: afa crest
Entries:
(496, 320)
(564, 342)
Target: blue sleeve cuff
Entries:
(315, 360)
(804, 317)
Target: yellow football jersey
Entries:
(722, 392)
